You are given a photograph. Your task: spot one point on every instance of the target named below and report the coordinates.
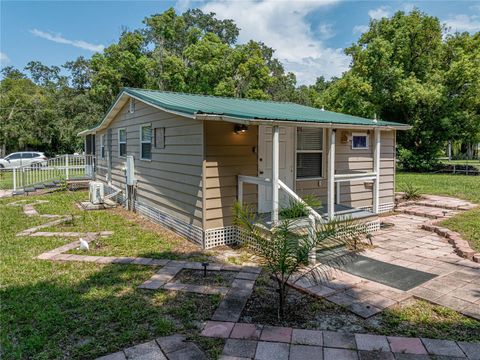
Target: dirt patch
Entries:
(212, 278)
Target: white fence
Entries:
(64, 167)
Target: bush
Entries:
(411, 192)
(297, 209)
(412, 161)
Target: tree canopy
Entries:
(404, 68)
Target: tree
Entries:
(286, 252)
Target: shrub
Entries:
(411, 192)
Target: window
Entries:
(160, 138)
(131, 106)
(359, 141)
(309, 153)
(27, 155)
(102, 146)
(14, 156)
(122, 142)
(146, 142)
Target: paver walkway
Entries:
(406, 244)
(250, 341)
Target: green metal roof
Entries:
(231, 109)
(191, 104)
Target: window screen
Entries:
(122, 142)
(359, 141)
(146, 142)
(309, 153)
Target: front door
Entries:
(286, 164)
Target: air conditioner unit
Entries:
(96, 192)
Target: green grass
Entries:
(461, 186)
(423, 319)
(54, 310)
(35, 176)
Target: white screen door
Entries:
(286, 164)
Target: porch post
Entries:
(275, 171)
(331, 175)
(376, 170)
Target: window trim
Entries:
(144, 142)
(367, 140)
(322, 151)
(102, 146)
(120, 142)
(131, 106)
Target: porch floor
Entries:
(342, 212)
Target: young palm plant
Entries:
(286, 250)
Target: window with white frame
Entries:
(309, 153)
(102, 146)
(359, 141)
(122, 142)
(146, 142)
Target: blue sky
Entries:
(308, 35)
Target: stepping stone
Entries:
(240, 348)
(442, 347)
(272, 350)
(171, 343)
(406, 345)
(189, 352)
(276, 333)
(303, 352)
(246, 331)
(39, 186)
(339, 340)
(29, 189)
(372, 342)
(18, 192)
(472, 350)
(307, 337)
(217, 329)
(339, 354)
(146, 351)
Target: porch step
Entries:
(426, 211)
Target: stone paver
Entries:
(115, 356)
(339, 340)
(276, 333)
(304, 352)
(146, 351)
(339, 354)
(472, 350)
(189, 352)
(372, 342)
(171, 343)
(406, 345)
(307, 337)
(240, 348)
(375, 355)
(232, 305)
(272, 350)
(246, 331)
(442, 347)
(217, 329)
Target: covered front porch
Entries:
(278, 193)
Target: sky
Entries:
(308, 36)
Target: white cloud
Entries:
(359, 29)
(407, 7)
(4, 59)
(378, 13)
(326, 31)
(58, 38)
(470, 23)
(282, 25)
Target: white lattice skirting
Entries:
(191, 232)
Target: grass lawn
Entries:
(461, 186)
(77, 310)
(54, 310)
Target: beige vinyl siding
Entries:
(227, 155)
(172, 180)
(357, 193)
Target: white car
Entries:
(23, 158)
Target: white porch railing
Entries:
(268, 183)
(64, 167)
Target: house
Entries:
(195, 155)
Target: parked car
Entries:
(23, 158)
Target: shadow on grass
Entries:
(96, 314)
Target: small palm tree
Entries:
(286, 250)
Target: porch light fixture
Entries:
(240, 128)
